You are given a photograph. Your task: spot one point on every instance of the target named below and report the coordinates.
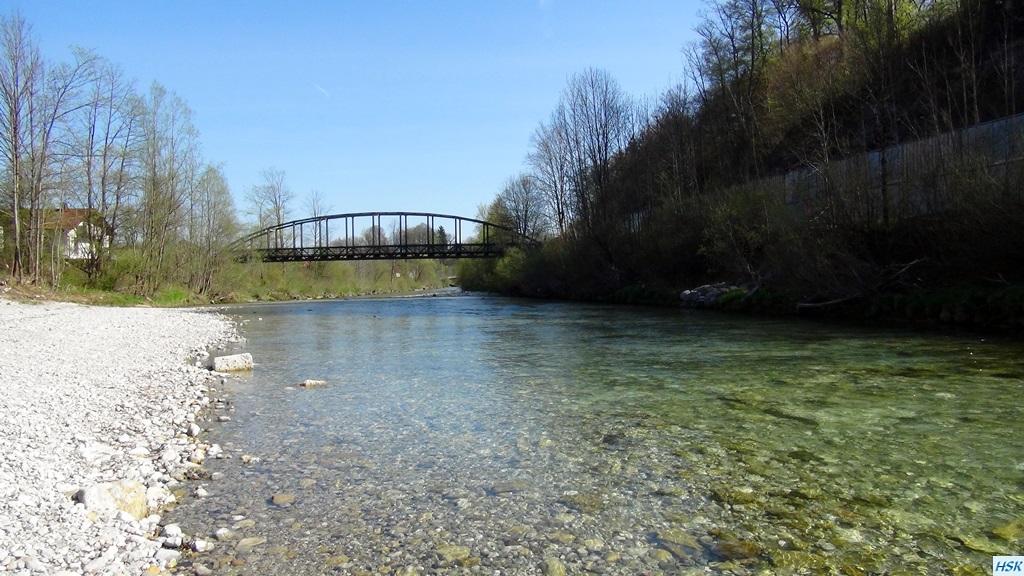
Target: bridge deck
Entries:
(396, 252)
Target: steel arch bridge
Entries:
(379, 236)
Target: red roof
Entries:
(66, 218)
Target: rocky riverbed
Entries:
(480, 436)
(99, 408)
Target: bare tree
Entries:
(49, 147)
(731, 61)
(269, 201)
(783, 17)
(214, 226)
(106, 138)
(598, 117)
(316, 206)
(552, 169)
(677, 122)
(20, 73)
(522, 201)
(169, 169)
(36, 103)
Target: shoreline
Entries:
(99, 410)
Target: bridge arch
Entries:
(379, 236)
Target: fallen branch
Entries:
(883, 281)
(843, 300)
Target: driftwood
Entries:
(837, 301)
(884, 280)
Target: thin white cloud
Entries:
(321, 89)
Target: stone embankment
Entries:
(99, 408)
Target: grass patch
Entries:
(173, 296)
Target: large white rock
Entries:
(171, 530)
(202, 546)
(167, 556)
(110, 497)
(97, 499)
(233, 363)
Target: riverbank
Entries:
(996, 309)
(173, 298)
(98, 404)
(985, 309)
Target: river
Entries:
(483, 435)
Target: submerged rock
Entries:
(552, 567)
(732, 548)
(586, 502)
(678, 539)
(730, 495)
(509, 487)
(796, 561)
(979, 544)
(283, 499)
(339, 560)
(1011, 532)
(452, 553)
(246, 545)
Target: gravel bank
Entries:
(96, 401)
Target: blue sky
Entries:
(389, 106)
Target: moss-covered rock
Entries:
(552, 567)
(733, 548)
(797, 562)
(729, 495)
(586, 502)
(452, 553)
(1012, 532)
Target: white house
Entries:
(75, 226)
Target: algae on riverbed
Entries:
(729, 445)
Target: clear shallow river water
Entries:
(480, 435)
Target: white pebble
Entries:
(115, 385)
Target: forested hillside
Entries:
(815, 156)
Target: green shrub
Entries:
(172, 296)
(733, 299)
